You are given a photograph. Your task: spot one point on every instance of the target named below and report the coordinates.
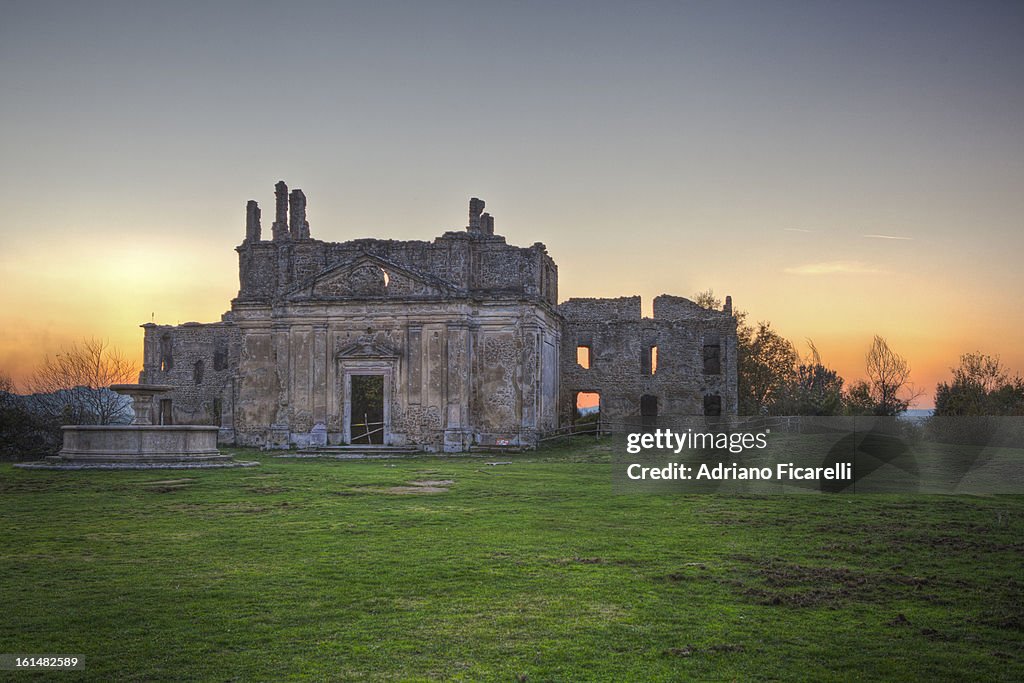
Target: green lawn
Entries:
(347, 570)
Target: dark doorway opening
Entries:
(649, 411)
(367, 411)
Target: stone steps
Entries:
(354, 452)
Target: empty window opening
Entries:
(648, 359)
(712, 359)
(197, 372)
(583, 357)
(713, 405)
(588, 412)
(166, 358)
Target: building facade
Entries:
(438, 345)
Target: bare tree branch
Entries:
(72, 385)
(889, 377)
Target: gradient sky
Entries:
(767, 150)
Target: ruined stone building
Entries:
(439, 345)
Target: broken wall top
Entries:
(666, 308)
(621, 308)
(473, 262)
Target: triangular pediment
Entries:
(367, 349)
(368, 276)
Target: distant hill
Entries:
(82, 399)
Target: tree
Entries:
(7, 387)
(707, 299)
(772, 380)
(72, 386)
(981, 386)
(767, 370)
(818, 390)
(24, 433)
(887, 390)
(858, 399)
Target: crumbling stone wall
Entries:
(199, 360)
(474, 261)
(695, 363)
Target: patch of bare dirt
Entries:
(413, 490)
(794, 585)
(899, 620)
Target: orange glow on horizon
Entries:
(69, 304)
(89, 284)
(86, 290)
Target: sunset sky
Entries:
(841, 169)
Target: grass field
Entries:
(449, 568)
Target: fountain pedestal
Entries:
(142, 399)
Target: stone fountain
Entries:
(141, 444)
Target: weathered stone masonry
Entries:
(200, 361)
(692, 372)
(464, 332)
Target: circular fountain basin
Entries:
(140, 444)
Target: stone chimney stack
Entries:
(727, 309)
(253, 231)
(476, 207)
(280, 227)
(297, 206)
(487, 224)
